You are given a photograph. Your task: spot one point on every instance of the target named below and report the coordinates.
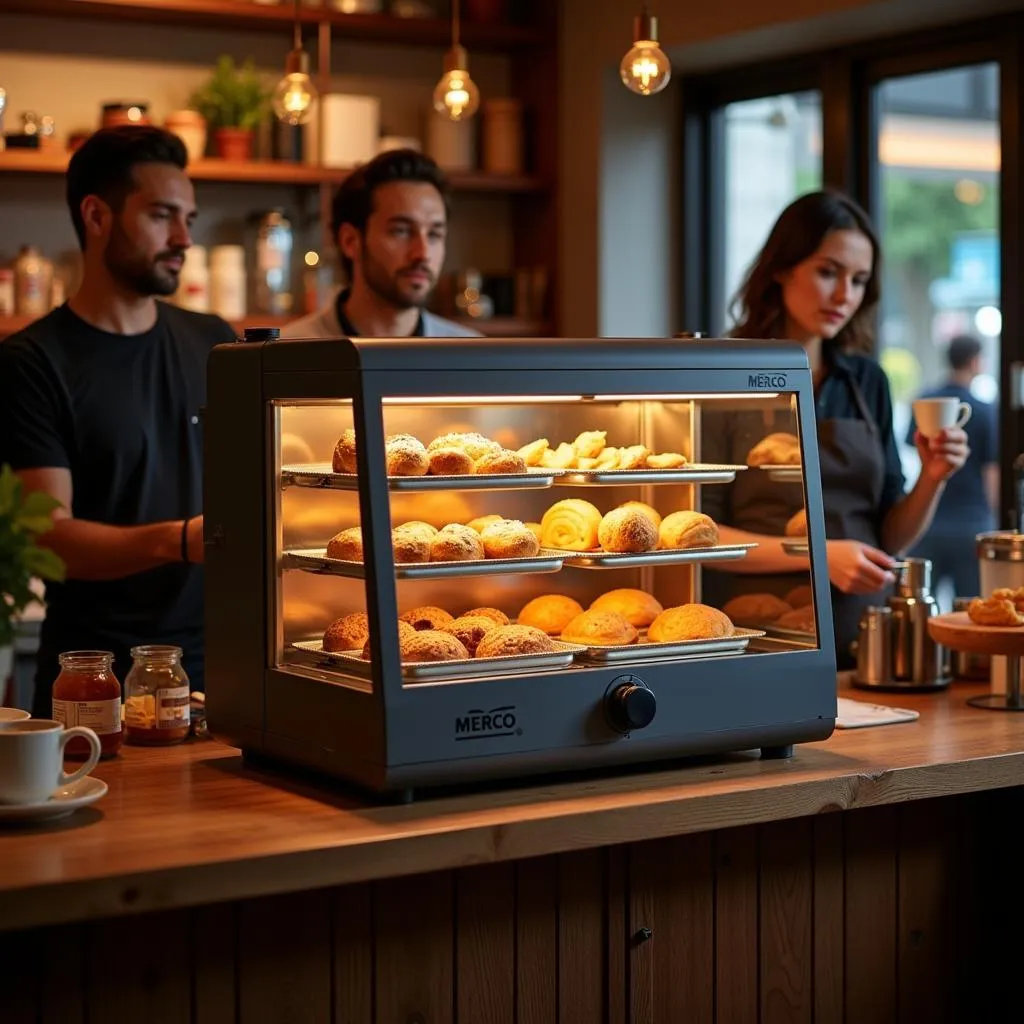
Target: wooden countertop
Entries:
(189, 825)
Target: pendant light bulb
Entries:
(456, 95)
(294, 95)
(645, 69)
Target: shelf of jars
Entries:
(238, 14)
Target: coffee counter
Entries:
(722, 890)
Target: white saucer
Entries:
(65, 801)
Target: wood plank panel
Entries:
(829, 917)
(485, 956)
(537, 941)
(63, 971)
(871, 917)
(19, 977)
(213, 947)
(284, 958)
(617, 918)
(786, 922)
(581, 937)
(353, 954)
(414, 919)
(736, 917)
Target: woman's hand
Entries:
(857, 568)
(942, 455)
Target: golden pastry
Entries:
(469, 630)
(426, 617)
(533, 453)
(509, 538)
(589, 444)
(800, 596)
(690, 622)
(406, 456)
(608, 459)
(404, 631)
(347, 633)
(495, 614)
(586, 464)
(633, 457)
(503, 641)
(501, 461)
(549, 612)
(449, 462)
(600, 629)
(536, 529)
(797, 525)
(637, 607)
(775, 450)
(409, 547)
(755, 609)
(347, 545)
(480, 522)
(1016, 596)
(688, 530)
(432, 645)
(344, 460)
(800, 619)
(456, 543)
(627, 529)
(652, 513)
(473, 444)
(666, 460)
(994, 611)
(562, 457)
(571, 524)
(422, 530)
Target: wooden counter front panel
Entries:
(874, 916)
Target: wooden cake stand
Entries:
(958, 632)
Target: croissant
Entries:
(571, 525)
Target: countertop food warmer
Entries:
(555, 436)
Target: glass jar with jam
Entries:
(156, 696)
(86, 692)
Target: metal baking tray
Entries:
(645, 651)
(321, 475)
(796, 546)
(695, 473)
(785, 474)
(781, 633)
(315, 560)
(630, 559)
(425, 671)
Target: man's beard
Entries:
(143, 276)
(386, 287)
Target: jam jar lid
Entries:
(1001, 546)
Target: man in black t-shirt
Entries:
(100, 407)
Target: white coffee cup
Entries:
(13, 715)
(32, 759)
(934, 415)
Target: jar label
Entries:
(172, 707)
(102, 716)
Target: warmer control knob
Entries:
(630, 704)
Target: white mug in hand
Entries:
(32, 759)
(934, 415)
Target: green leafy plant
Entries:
(233, 97)
(23, 517)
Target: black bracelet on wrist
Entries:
(184, 541)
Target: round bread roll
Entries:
(600, 629)
(344, 460)
(422, 530)
(348, 633)
(637, 607)
(427, 617)
(800, 596)
(346, 546)
(690, 622)
(495, 614)
(473, 444)
(432, 645)
(550, 613)
(456, 543)
(449, 462)
(406, 456)
(755, 609)
(480, 522)
(627, 529)
(652, 513)
(408, 546)
(501, 461)
(775, 450)
(797, 525)
(404, 630)
(509, 538)
(503, 641)
(800, 619)
(688, 530)
(469, 630)
(572, 525)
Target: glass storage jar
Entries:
(86, 692)
(156, 696)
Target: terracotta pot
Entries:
(190, 127)
(234, 143)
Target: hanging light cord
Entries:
(298, 29)
(455, 23)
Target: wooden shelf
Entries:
(264, 172)
(236, 14)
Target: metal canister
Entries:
(964, 664)
(1000, 560)
(874, 647)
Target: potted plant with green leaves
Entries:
(23, 517)
(233, 101)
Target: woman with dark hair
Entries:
(816, 282)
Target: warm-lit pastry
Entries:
(509, 538)
(422, 530)
(589, 444)
(797, 525)
(652, 513)
(456, 543)
(637, 607)
(408, 547)
(495, 614)
(473, 444)
(503, 641)
(501, 461)
(536, 529)
(347, 633)
(627, 529)
(533, 453)
(633, 457)
(344, 460)
(1016, 596)
(666, 460)
(480, 522)
(800, 596)
(432, 645)
(994, 611)
(427, 617)
(549, 612)
(562, 457)
(406, 456)
(608, 459)
(800, 619)
(688, 530)
(404, 631)
(690, 622)
(600, 629)
(755, 609)
(449, 462)
(469, 630)
(571, 524)
(347, 545)
(775, 450)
